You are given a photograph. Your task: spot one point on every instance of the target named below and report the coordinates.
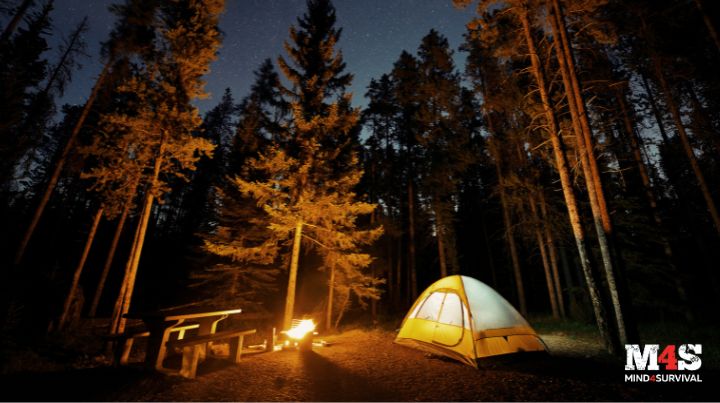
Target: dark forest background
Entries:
(573, 164)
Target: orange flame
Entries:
(301, 329)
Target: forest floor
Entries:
(364, 365)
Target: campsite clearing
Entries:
(365, 365)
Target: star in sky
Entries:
(374, 34)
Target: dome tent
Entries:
(463, 318)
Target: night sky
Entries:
(374, 34)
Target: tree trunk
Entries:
(544, 257)
(583, 135)
(655, 110)
(685, 140)
(575, 98)
(390, 272)
(509, 237)
(568, 192)
(79, 268)
(134, 260)
(398, 274)
(491, 260)
(412, 273)
(109, 258)
(292, 279)
(331, 290)
(708, 23)
(553, 255)
(341, 311)
(652, 202)
(440, 234)
(12, 25)
(116, 315)
(55, 176)
(703, 118)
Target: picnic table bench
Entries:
(161, 324)
(124, 341)
(193, 346)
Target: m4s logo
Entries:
(683, 358)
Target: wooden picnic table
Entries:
(161, 323)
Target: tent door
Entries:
(449, 326)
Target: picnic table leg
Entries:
(156, 349)
(126, 348)
(208, 326)
(190, 357)
(236, 346)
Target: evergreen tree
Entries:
(22, 70)
(305, 183)
(159, 131)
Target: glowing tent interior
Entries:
(463, 318)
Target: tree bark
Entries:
(583, 135)
(116, 315)
(109, 258)
(55, 176)
(292, 279)
(12, 25)
(552, 296)
(331, 290)
(412, 273)
(440, 234)
(510, 238)
(79, 268)
(341, 311)
(134, 260)
(575, 98)
(398, 274)
(568, 192)
(553, 255)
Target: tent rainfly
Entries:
(463, 318)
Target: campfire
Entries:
(300, 335)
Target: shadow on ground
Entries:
(330, 382)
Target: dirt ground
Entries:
(362, 365)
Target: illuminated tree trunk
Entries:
(79, 268)
(411, 242)
(292, 279)
(583, 135)
(134, 260)
(12, 25)
(109, 258)
(116, 315)
(566, 183)
(343, 308)
(55, 175)
(708, 23)
(552, 296)
(331, 290)
(552, 254)
(509, 237)
(575, 99)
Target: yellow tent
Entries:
(463, 318)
